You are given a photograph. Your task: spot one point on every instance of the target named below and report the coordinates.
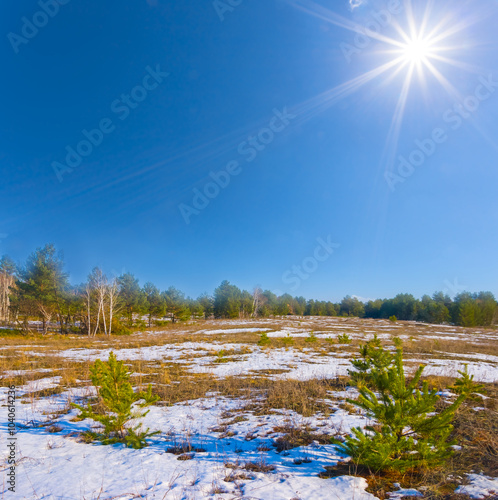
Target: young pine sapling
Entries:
(120, 403)
(409, 433)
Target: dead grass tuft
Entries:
(296, 436)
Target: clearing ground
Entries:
(237, 419)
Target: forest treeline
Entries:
(40, 289)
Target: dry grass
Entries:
(435, 484)
(477, 433)
(237, 468)
(440, 347)
(304, 397)
(263, 394)
(296, 436)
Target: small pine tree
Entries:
(220, 357)
(344, 338)
(117, 397)
(409, 433)
(311, 338)
(466, 385)
(288, 340)
(264, 340)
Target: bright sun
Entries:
(417, 47)
(416, 51)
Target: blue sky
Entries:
(259, 81)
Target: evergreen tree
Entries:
(176, 304)
(430, 311)
(310, 308)
(372, 308)
(153, 302)
(131, 296)
(351, 306)
(330, 309)
(487, 306)
(270, 304)
(206, 303)
(466, 385)
(299, 306)
(116, 395)
(409, 434)
(466, 310)
(227, 301)
(246, 304)
(284, 305)
(42, 285)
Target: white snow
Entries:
(483, 372)
(38, 385)
(234, 330)
(302, 365)
(403, 492)
(58, 466)
(480, 486)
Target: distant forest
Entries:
(40, 290)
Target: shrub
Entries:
(264, 339)
(409, 434)
(119, 328)
(393, 319)
(117, 397)
(311, 338)
(344, 338)
(11, 332)
(158, 322)
(140, 324)
(288, 340)
(220, 357)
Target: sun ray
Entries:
(444, 82)
(393, 135)
(437, 34)
(325, 14)
(470, 68)
(426, 18)
(411, 21)
(310, 108)
(331, 17)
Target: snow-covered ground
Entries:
(299, 364)
(59, 466)
(220, 436)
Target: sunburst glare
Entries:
(428, 42)
(417, 51)
(407, 48)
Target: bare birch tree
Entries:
(112, 291)
(6, 282)
(97, 282)
(256, 294)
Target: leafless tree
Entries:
(100, 285)
(6, 281)
(101, 297)
(256, 294)
(112, 292)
